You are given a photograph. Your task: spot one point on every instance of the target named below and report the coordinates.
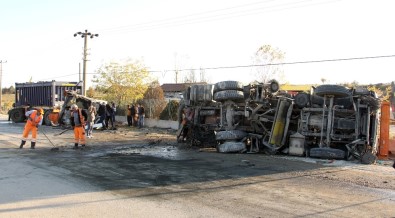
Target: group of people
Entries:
(135, 115)
(82, 121)
(106, 113)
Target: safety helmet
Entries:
(74, 107)
(41, 110)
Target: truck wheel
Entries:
(47, 121)
(335, 90)
(302, 100)
(274, 86)
(233, 95)
(230, 147)
(17, 115)
(230, 135)
(228, 85)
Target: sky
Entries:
(357, 36)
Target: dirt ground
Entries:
(134, 172)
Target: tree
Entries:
(171, 111)
(10, 90)
(190, 77)
(122, 82)
(268, 58)
(154, 100)
(383, 92)
(91, 93)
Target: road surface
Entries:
(144, 173)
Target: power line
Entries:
(257, 65)
(285, 63)
(212, 15)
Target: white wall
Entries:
(165, 124)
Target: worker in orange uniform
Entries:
(34, 119)
(78, 118)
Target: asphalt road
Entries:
(144, 173)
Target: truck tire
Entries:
(231, 147)
(46, 120)
(228, 85)
(274, 86)
(335, 90)
(327, 153)
(17, 115)
(225, 95)
(230, 135)
(302, 100)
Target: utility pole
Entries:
(85, 36)
(1, 89)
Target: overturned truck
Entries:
(330, 121)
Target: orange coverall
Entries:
(31, 125)
(79, 129)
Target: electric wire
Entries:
(196, 18)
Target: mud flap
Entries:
(327, 153)
(368, 158)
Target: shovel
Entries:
(54, 147)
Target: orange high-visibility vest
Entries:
(34, 119)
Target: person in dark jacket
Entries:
(109, 112)
(102, 114)
(78, 119)
(128, 115)
(141, 114)
(133, 115)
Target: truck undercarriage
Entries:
(331, 121)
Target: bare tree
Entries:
(269, 60)
(190, 77)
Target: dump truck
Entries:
(48, 95)
(327, 121)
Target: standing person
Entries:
(34, 119)
(91, 119)
(133, 115)
(114, 110)
(141, 114)
(109, 112)
(129, 115)
(77, 120)
(102, 114)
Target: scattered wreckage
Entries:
(330, 121)
(62, 117)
